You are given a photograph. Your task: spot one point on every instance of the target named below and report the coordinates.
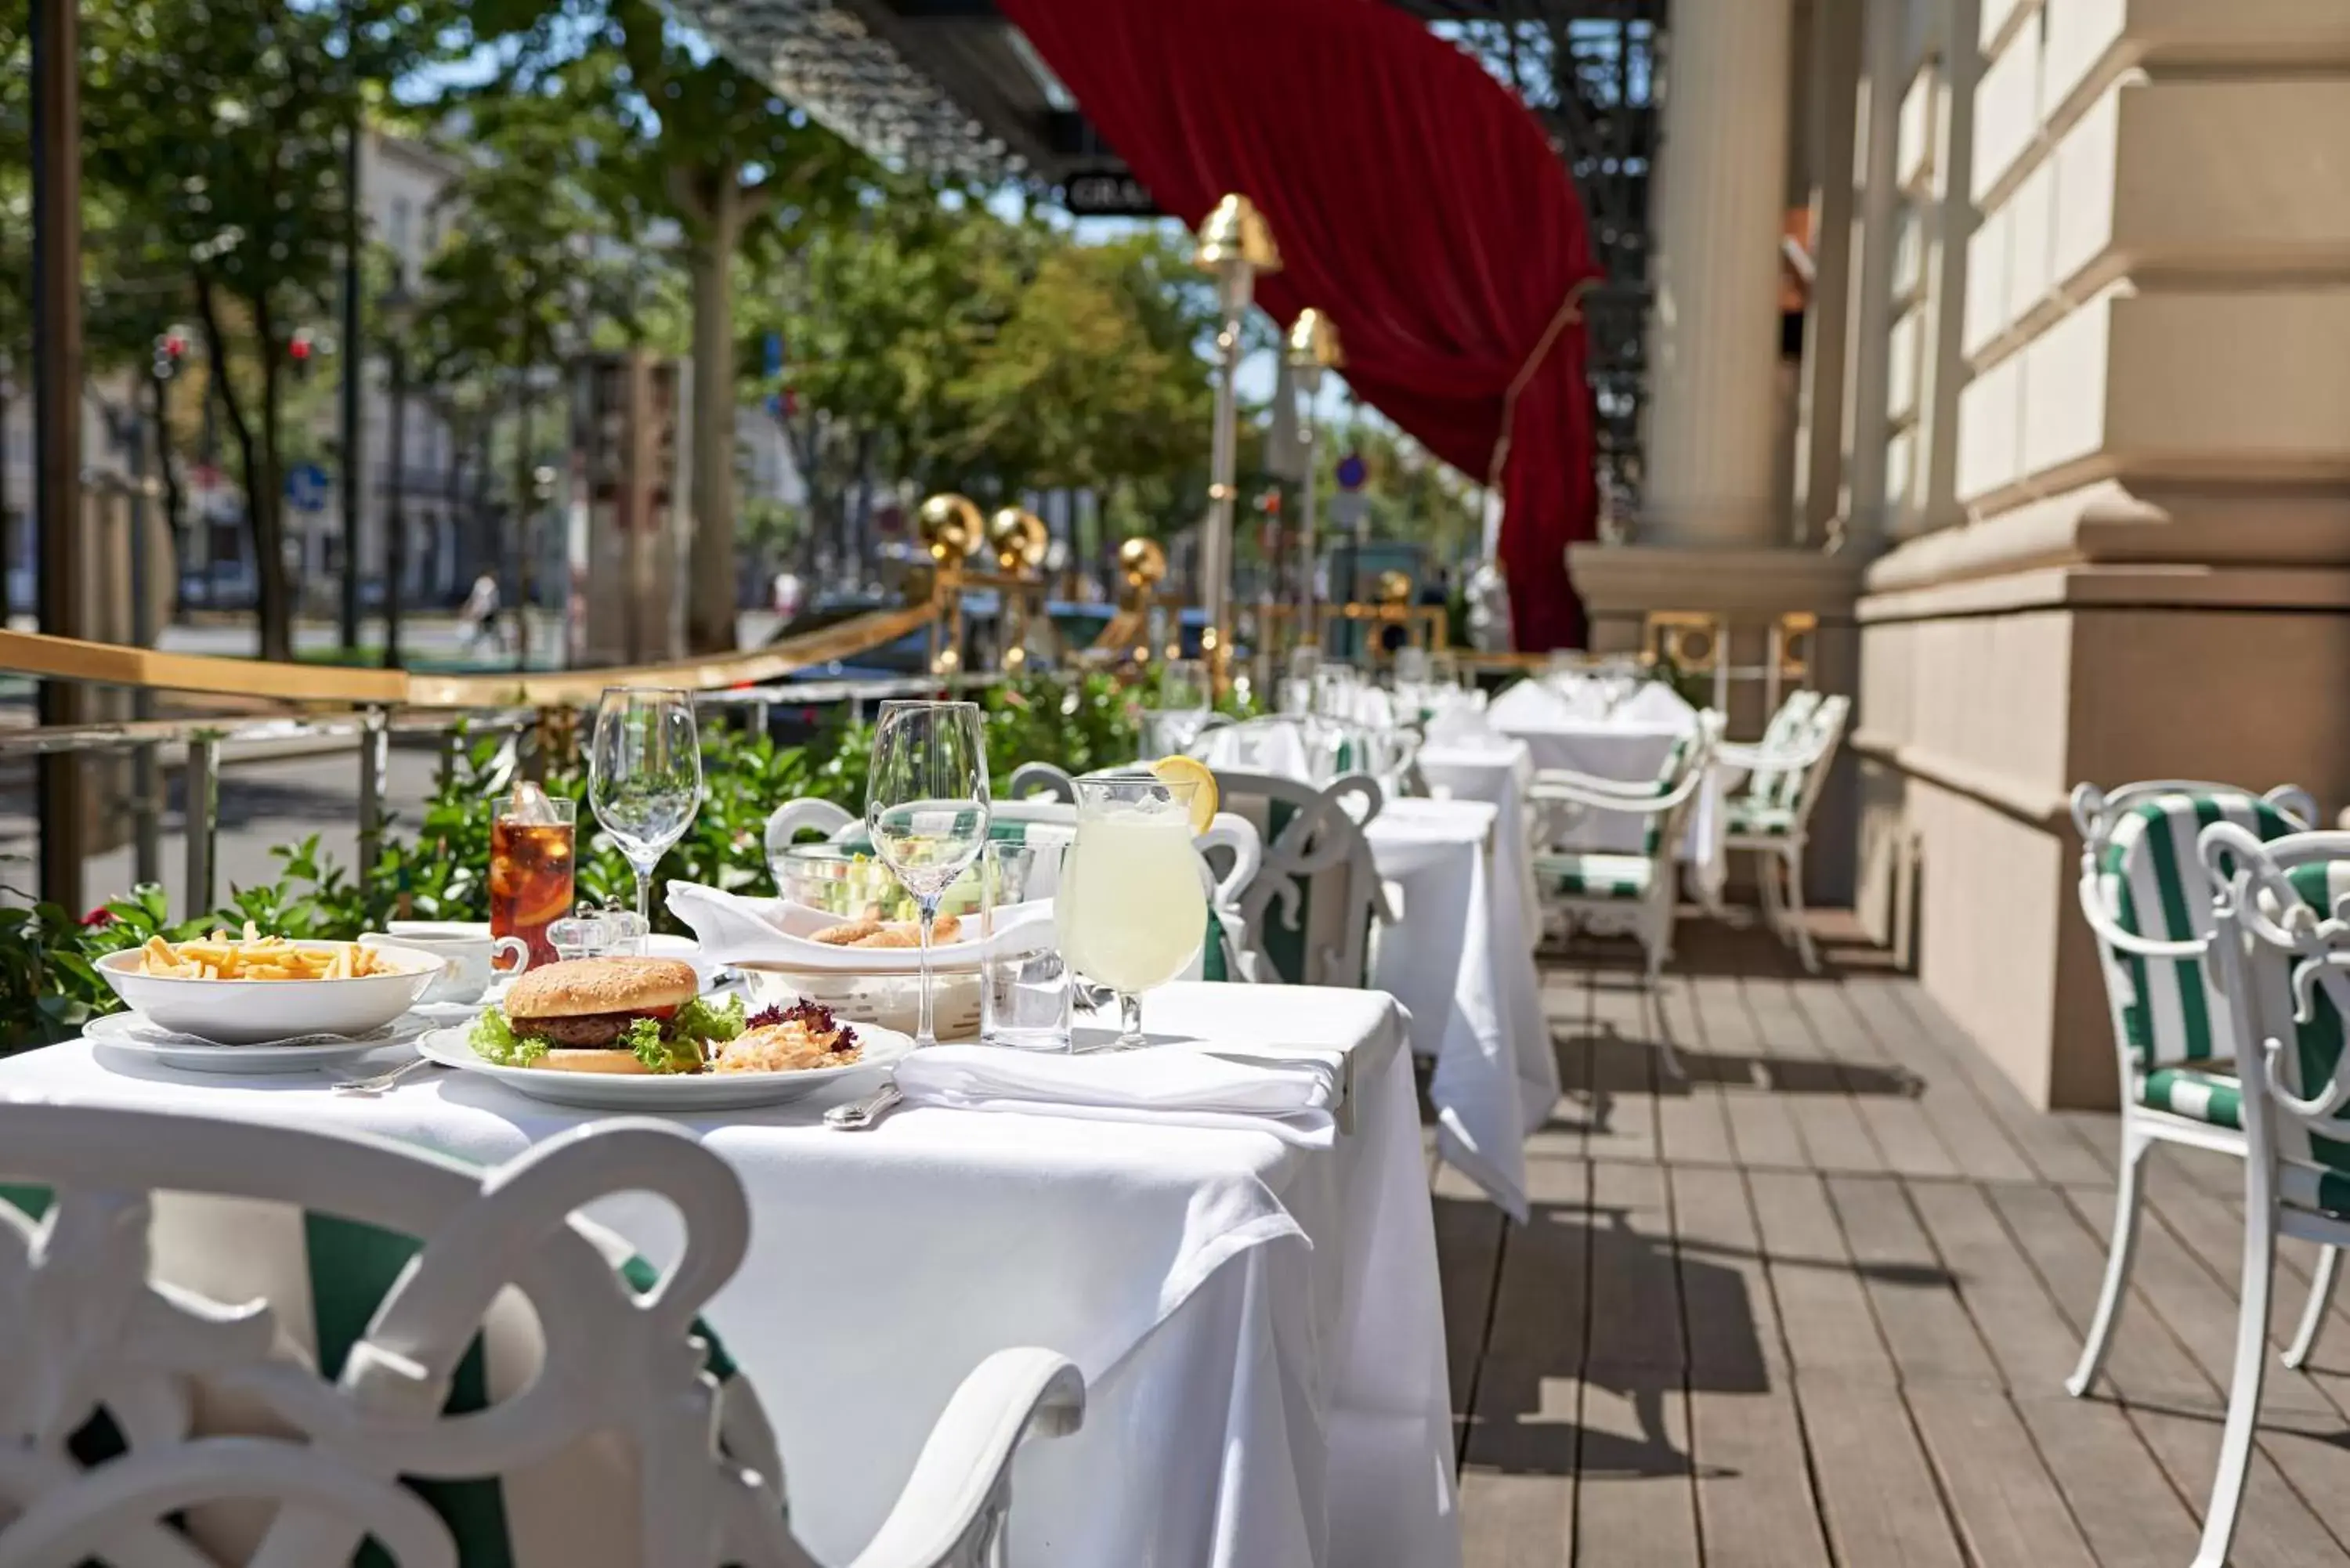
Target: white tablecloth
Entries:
(1495, 771)
(1462, 963)
(1259, 1324)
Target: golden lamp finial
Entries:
(1236, 231)
(1313, 342)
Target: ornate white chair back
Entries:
(135, 1307)
(170, 1396)
(1309, 910)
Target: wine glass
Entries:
(644, 776)
(926, 806)
(1131, 909)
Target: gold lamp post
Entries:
(1020, 541)
(1234, 245)
(1313, 347)
(951, 528)
(1142, 564)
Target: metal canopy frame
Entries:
(949, 86)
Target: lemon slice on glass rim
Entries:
(1182, 770)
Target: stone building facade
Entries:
(2072, 473)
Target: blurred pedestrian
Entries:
(479, 617)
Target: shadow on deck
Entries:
(1812, 1302)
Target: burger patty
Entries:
(586, 1031)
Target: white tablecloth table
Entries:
(1462, 963)
(1258, 1322)
(1630, 746)
(1495, 770)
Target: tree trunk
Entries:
(525, 520)
(257, 467)
(711, 578)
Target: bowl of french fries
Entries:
(252, 988)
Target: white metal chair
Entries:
(1632, 893)
(1770, 818)
(2283, 955)
(2144, 893)
(138, 1314)
(1310, 909)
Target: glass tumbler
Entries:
(1024, 985)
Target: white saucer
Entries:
(134, 1035)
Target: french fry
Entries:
(259, 958)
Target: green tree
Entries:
(217, 124)
(685, 135)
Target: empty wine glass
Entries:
(926, 806)
(644, 776)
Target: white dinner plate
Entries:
(665, 1091)
(136, 1035)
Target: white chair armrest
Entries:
(1772, 759)
(786, 822)
(2093, 909)
(1580, 790)
(957, 1494)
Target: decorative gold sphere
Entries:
(1142, 561)
(1395, 587)
(952, 526)
(1019, 539)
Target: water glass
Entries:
(926, 806)
(644, 776)
(1024, 987)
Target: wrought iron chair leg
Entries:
(2313, 1315)
(1798, 926)
(2121, 1248)
(2244, 1385)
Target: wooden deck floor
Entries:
(1815, 1304)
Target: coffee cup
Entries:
(468, 954)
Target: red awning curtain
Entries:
(1414, 199)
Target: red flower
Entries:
(101, 916)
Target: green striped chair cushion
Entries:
(1766, 784)
(326, 1276)
(1596, 875)
(1652, 836)
(1757, 819)
(2212, 1097)
(2154, 885)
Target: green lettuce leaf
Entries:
(494, 1041)
(660, 1053)
(701, 1019)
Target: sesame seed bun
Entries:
(577, 988)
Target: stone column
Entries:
(1713, 333)
(1832, 84)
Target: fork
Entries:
(382, 1081)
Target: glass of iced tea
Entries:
(531, 849)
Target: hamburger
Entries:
(607, 1015)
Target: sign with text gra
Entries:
(1108, 193)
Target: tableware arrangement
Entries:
(469, 952)
(644, 777)
(534, 854)
(927, 810)
(1131, 909)
(134, 1035)
(248, 1011)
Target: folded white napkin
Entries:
(1461, 725)
(1292, 1097)
(734, 929)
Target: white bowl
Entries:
(253, 1011)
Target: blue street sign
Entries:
(1352, 471)
(305, 488)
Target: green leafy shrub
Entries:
(49, 986)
